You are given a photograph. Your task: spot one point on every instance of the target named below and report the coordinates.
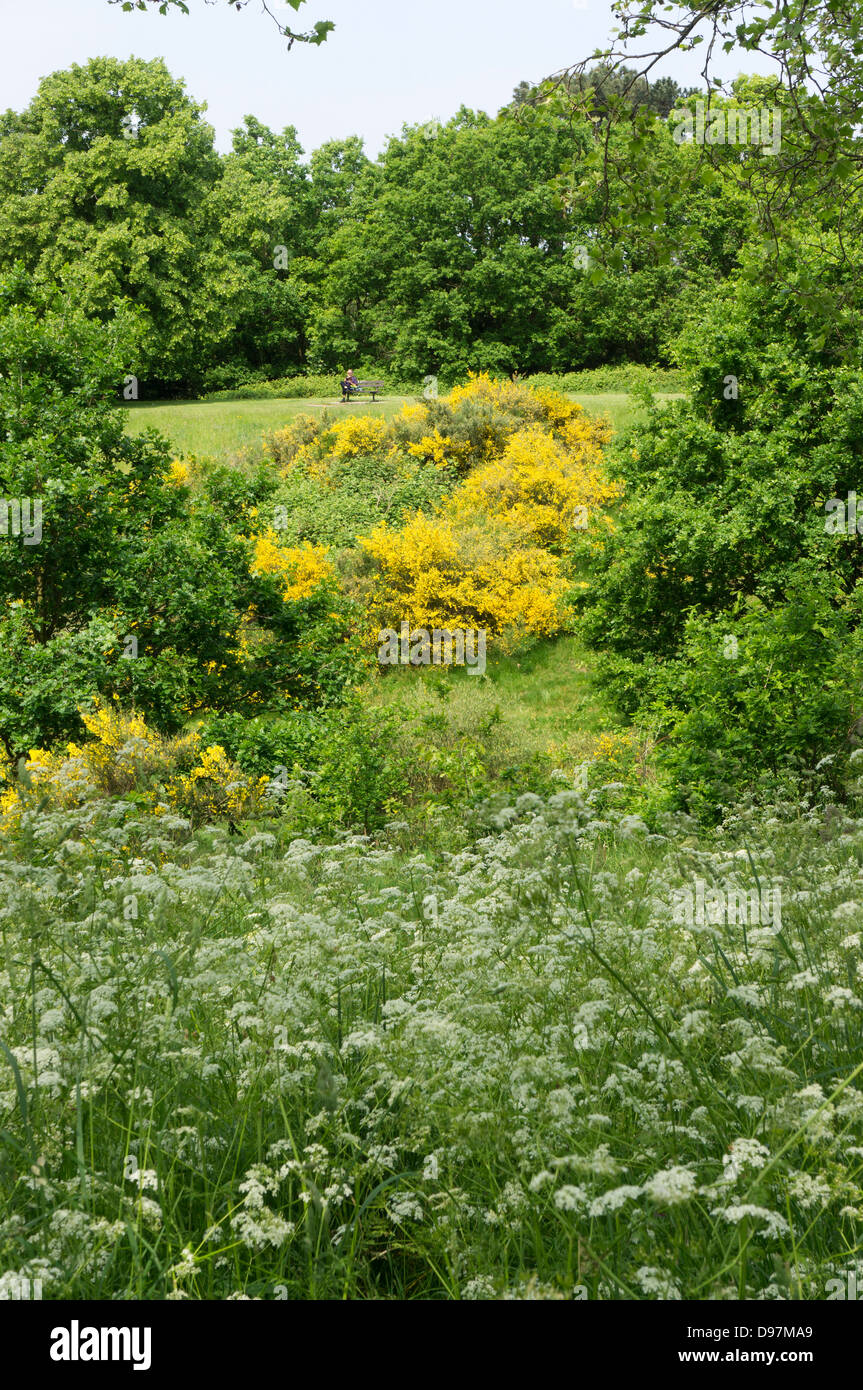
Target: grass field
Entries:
(221, 429)
(224, 428)
(543, 703)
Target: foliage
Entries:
(409, 1139)
(316, 35)
(303, 387)
(801, 237)
(124, 756)
(138, 585)
(726, 491)
(606, 80)
(358, 766)
(761, 695)
(453, 251)
(358, 495)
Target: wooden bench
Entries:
(376, 387)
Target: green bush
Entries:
(760, 696)
(135, 586)
(725, 497)
(723, 522)
(329, 767)
(361, 492)
(283, 388)
(624, 376)
(310, 385)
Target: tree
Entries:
(256, 230)
(603, 81)
(100, 179)
(459, 250)
(316, 35)
(807, 193)
(128, 586)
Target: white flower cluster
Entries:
(353, 1047)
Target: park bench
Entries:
(362, 386)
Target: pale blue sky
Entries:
(388, 62)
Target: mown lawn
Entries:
(224, 428)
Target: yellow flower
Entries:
(178, 473)
(438, 449)
(302, 568)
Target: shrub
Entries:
(282, 446)
(447, 572)
(358, 495)
(329, 768)
(486, 557)
(761, 694)
(300, 569)
(124, 756)
(281, 388)
(540, 486)
(139, 586)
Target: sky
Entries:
(388, 61)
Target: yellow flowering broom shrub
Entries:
(302, 568)
(179, 473)
(216, 788)
(469, 427)
(623, 758)
(486, 558)
(447, 572)
(513, 397)
(283, 446)
(358, 435)
(439, 449)
(538, 486)
(123, 755)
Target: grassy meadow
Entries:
(222, 429)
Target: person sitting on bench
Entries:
(350, 385)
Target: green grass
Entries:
(542, 704)
(622, 409)
(222, 429)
